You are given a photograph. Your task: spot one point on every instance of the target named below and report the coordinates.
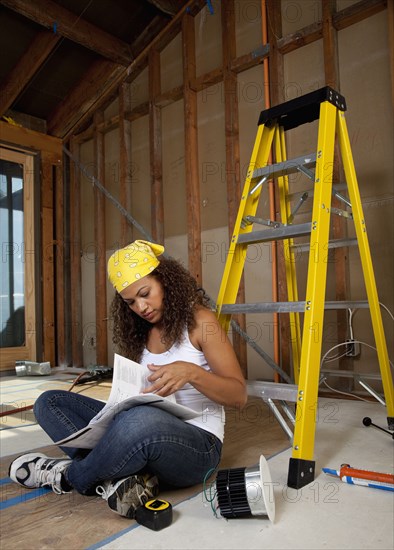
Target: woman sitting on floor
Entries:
(162, 321)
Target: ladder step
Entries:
(272, 390)
(286, 167)
(275, 234)
(286, 307)
(335, 243)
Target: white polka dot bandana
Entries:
(134, 261)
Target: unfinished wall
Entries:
(364, 81)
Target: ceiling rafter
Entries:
(87, 97)
(68, 25)
(27, 66)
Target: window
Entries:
(17, 280)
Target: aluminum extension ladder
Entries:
(328, 106)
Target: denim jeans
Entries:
(141, 439)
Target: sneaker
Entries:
(125, 495)
(37, 470)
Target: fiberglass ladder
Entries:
(328, 106)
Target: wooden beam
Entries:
(340, 20)
(249, 60)
(108, 85)
(206, 80)
(171, 96)
(358, 12)
(31, 139)
(99, 234)
(126, 173)
(83, 98)
(339, 225)
(276, 90)
(72, 26)
(193, 203)
(232, 155)
(48, 262)
(58, 205)
(155, 149)
(390, 21)
(300, 38)
(27, 66)
(75, 259)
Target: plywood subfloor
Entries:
(41, 519)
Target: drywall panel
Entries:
(251, 101)
(248, 31)
(88, 255)
(87, 198)
(173, 154)
(139, 88)
(365, 82)
(140, 170)
(171, 64)
(112, 109)
(112, 184)
(208, 35)
(212, 157)
(297, 14)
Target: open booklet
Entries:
(129, 379)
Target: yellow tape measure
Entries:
(154, 514)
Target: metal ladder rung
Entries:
(270, 391)
(286, 307)
(335, 243)
(284, 168)
(275, 234)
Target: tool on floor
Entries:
(367, 478)
(154, 514)
(32, 368)
(368, 422)
(328, 107)
(245, 492)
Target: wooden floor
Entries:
(40, 519)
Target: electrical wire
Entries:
(345, 393)
(211, 497)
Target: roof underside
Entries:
(56, 55)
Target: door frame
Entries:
(8, 356)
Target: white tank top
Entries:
(212, 414)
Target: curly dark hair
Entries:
(182, 297)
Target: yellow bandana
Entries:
(133, 262)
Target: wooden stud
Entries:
(157, 201)
(125, 168)
(191, 150)
(232, 154)
(48, 262)
(58, 207)
(101, 263)
(339, 225)
(276, 75)
(75, 259)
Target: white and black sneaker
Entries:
(125, 495)
(37, 470)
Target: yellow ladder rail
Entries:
(328, 106)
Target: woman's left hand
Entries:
(167, 379)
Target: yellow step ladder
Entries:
(328, 106)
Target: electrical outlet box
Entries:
(352, 348)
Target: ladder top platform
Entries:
(302, 109)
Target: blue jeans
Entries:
(141, 439)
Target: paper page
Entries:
(129, 378)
